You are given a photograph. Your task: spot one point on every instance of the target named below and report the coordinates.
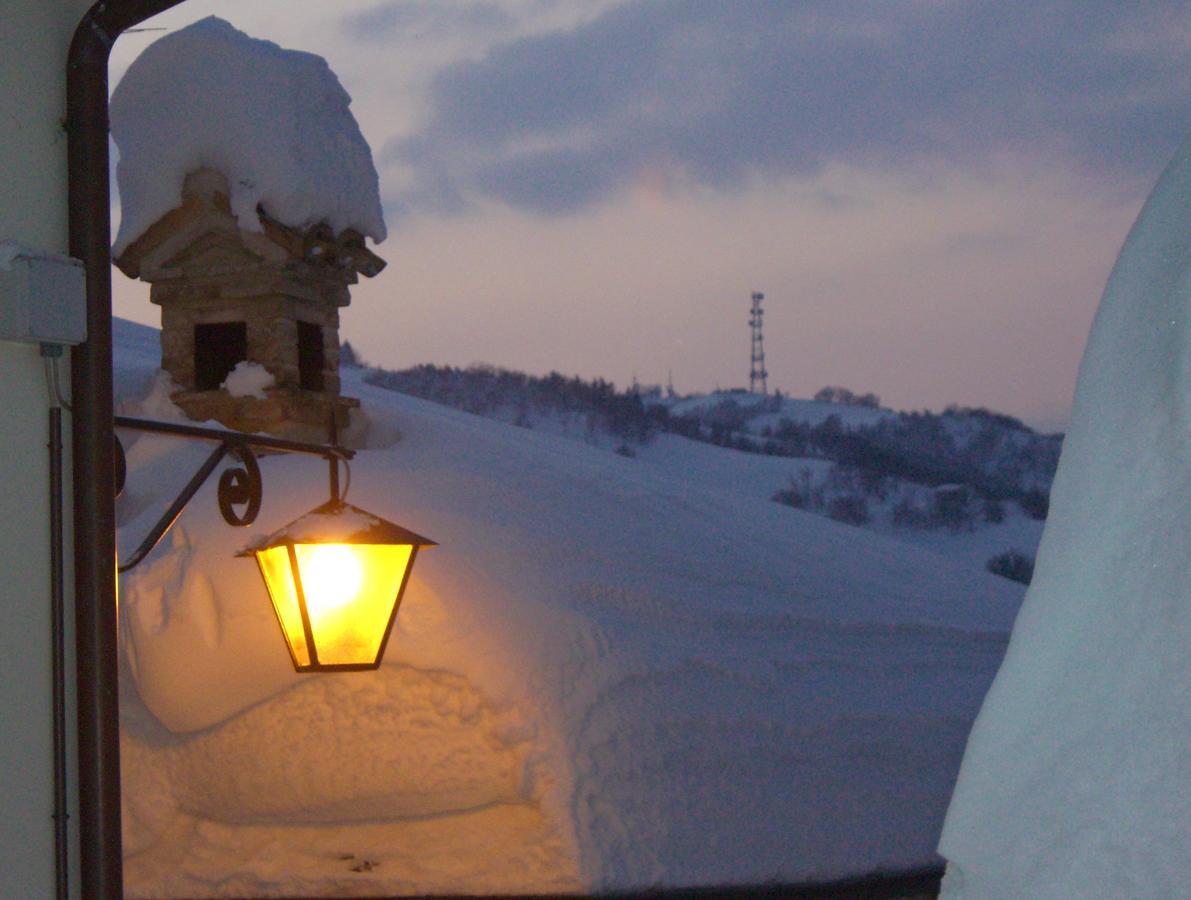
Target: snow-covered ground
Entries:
(994, 454)
(612, 673)
(763, 477)
(716, 469)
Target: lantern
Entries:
(336, 576)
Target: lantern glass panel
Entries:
(350, 592)
(279, 579)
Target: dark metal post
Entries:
(333, 461)
(93, 472)
(94, 496)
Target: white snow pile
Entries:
(605, 677)
(276, 122)
(1077, 777)
(248, 379)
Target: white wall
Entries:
(34, 39)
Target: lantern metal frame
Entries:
(379, 532)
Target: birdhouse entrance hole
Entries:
(311, 358)
(218, 347)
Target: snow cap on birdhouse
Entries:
(247, 193)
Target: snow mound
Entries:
(276, 122)
(441, 749)
(248, 379)
(1075, 780)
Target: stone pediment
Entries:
(201, 236)
(210, 253)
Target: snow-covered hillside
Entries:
(757, 413)
(608, 675)
(967, 483)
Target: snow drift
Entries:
(1075, 780)
(605, 677)
(281, 131)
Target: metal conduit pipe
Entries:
(93, 474)
(58, 657)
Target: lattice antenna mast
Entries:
(757, 373)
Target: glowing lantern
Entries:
(336, 576)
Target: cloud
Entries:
(420, 19)
(714, 93)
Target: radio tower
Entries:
(757, 373)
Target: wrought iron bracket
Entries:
(238, 487)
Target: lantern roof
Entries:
(337, 522)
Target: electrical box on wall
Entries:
(43, 296)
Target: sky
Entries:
(930, 194)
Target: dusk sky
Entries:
(930, 194)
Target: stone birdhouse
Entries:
(270, 298)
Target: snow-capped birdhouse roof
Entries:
(202, 236)
(277, 123)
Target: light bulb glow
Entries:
(332, 575)
(349, 592)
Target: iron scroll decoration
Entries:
(239, 486)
